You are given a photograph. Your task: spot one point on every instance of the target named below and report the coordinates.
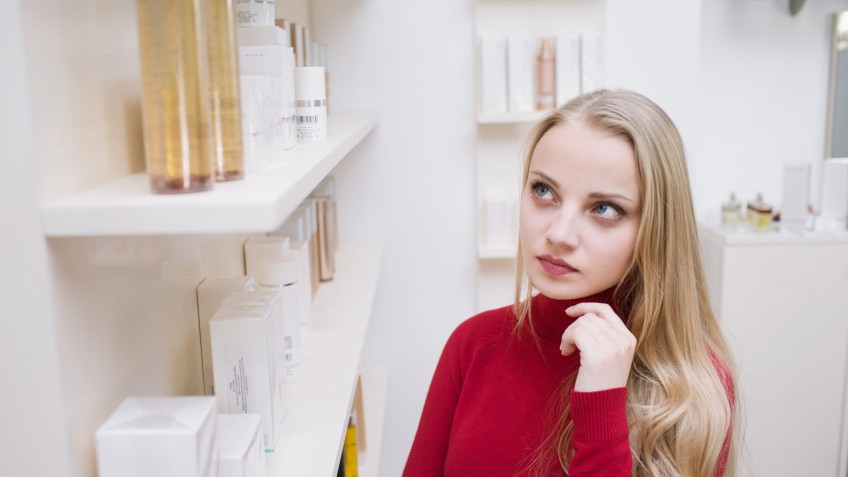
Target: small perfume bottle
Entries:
(758, 214)
(731, 213)
(545, 80)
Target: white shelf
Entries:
(259, 203)
(496, 252)
(745, 237)
(511, 118)
(375, 381)
(320, 402)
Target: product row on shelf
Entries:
(252, 311)
(521, 74)
(240, 87)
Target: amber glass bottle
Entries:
(175, 95)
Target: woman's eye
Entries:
(607, 211)
(541, 191)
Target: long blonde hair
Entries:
(680, 396)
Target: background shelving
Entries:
(321, 400)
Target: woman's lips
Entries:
(555, 266)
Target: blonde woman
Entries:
(617, 366)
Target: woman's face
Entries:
(580, 211)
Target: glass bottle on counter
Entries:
(758, 214)
(731, 213)
(175, 95)
(225, 110)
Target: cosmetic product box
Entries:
(161, 436)
(521, 61)
(795, 203)
(244, 362)
(592, 63)
(493, 73)
(254, 13)
(567, 67)
(240, 452)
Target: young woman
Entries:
(617, 366)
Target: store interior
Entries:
(413, 162)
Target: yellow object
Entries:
(350, 466)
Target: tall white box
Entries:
(794, 206)
(244, 361)
(521, 64)
(493, 75)
(567, 68)
(240, 452)
(161, 436)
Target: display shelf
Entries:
(744, 236)
(320, 401)
(511, 118)
(259, 203)
(375, 381)
(496, 251)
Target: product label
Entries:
(238, 387)
(311, 124)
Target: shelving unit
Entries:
(321, 400)
(487, 252)
(257, 204)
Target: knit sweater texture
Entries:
(496, 395)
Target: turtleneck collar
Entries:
(549, 318)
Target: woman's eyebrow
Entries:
(609, 195)
(547, 178)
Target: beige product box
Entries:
(161, 436)
(244, 362)
(240, 452)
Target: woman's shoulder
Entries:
(484, 326)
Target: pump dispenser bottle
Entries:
(175, 95)
(225, 110)
(545, 77)
(280, 275)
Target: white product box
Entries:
(270, 299)
(498, 221)
(210, 295)
(262, 36)
(244, 361)
(493, 75)
(834, 194)
(592, 62)
(161, 436)
(258, 248)
(240, 452)
(567, 68)
(521, 63)
(796, 197)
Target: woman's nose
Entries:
(563, 230)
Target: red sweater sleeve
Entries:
(601, 436)
(429, 449)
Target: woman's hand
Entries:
(606, 347)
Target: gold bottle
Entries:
(225, 110)
(175, 95)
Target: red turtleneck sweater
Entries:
(487, 410)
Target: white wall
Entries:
(30, 402)
(413, 61)
(762, 97)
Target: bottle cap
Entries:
(309, 83)
(276, 272)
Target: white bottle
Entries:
(310, 103)
(280, 274)
(224, 267)
(296, 229)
